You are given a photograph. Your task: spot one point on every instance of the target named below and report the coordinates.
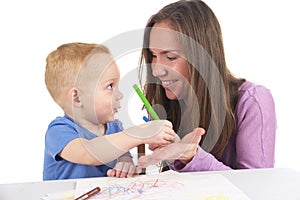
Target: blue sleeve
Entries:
(57, 137)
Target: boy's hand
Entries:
(124, 168)
(157, 132)
(162, 137)
(153, 147)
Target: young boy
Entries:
(88, 141)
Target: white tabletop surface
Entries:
(257, 184)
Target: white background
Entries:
(261, 41)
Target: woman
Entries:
(188, 82)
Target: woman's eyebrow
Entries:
(166, 51)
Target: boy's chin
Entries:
(111, 119)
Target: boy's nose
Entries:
(118, 94)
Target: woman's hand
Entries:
(183, 150)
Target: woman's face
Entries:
(168, 62)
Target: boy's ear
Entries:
(74, 97)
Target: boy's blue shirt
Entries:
(60, 132)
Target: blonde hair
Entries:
(64, 64)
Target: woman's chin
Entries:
(170, 95)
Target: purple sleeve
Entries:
(255, 140)
(202, 161)
(255, 137)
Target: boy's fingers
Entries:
(177, 138)
(111, 172)
(148, 129)
(170, 131)
(118, 169)
(168, 124)
(152, 147)
(131, 171)
(169, 138)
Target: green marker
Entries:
(146, 102)
(151, 111)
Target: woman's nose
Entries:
(158, 70)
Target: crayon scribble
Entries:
(138, 189)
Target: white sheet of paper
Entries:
(167, 185)
(59, 195)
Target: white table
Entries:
(258, 184)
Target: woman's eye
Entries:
(171, 58)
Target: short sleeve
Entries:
(57, 137)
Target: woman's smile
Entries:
(168, 84)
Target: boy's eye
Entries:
(110, 86)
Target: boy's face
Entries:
(107, 95)
(100, 95)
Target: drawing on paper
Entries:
(137, 189)
(167, 185)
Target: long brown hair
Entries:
(216, 93)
